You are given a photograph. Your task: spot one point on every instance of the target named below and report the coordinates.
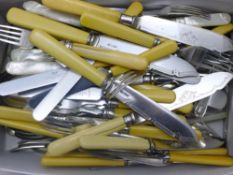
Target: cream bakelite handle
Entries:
(105, 142)
(53, 47)
(223, 29)
(80, 7)
(10, 113)
(158, 52)
(214, 151)
(117, 30)
(72, 142)
(29, 127)
(32, 21)
(201, 159)
(135, 9)
(111, 57)
(79, 162)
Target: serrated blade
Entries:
(208, 85)
(161, 117)
(31, 82)
(186, 34)
(55, 95)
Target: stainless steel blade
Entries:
(164, 119)
(90, 94)
(174, 66)
(31, 82)
(117, 44)
(186, 34)
(216, 19)
(55, 95)
(208, 85)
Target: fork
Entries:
(181, 10)
(15, 35)
(208, 61)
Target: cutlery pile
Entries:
(95, 86)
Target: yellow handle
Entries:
(157, 94)
(149, 132)
(135, 9)
(185, 109)
(9, 113)
(106, 142)
(223, 29)
(114, 29)
(15, 102)
(80, 7)
(202, 160)
(111, 57)
(100, 64)
(82, 127)
(164, 49)
(80, 162)
(33, 21)
(71, 142)
(214, 151)
(153, 132)
(56, 49)
(119, 112)
(29, 127)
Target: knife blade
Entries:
(166, 120)
(216, 19)
(186, 34)
(31, 82)
(208, 85)
(55, 95)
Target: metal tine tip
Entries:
(11, 27)
(10, 34)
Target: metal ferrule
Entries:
(93, 39)
(68, 44)
(129, 119)
(128, 20)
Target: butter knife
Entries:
(31, 82)
(55, 95)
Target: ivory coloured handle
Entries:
(117, 30)
(80, 7)
(30, 20)
(53, 47)
(158, 52)
(106, 142)
(111, 57)
(69, 143)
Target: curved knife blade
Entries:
(186, 34)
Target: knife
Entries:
(31, 82)
(55, 95)
(165, 120)
(182, 33)
(186, 34)
(208, 85)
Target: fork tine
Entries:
(11, 27)
(9, 37)
(10, 32)
(10, 42)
